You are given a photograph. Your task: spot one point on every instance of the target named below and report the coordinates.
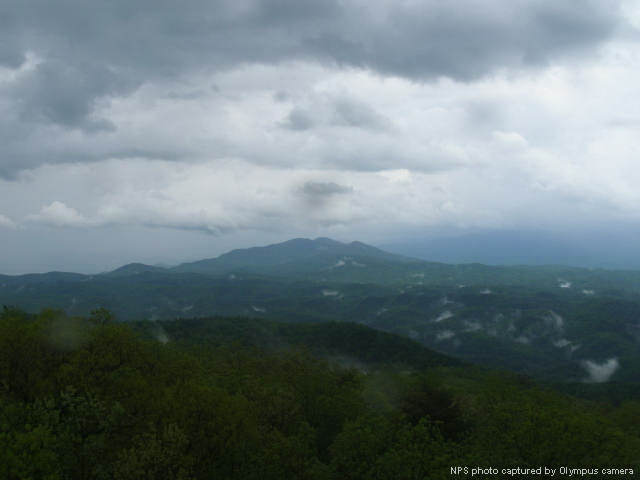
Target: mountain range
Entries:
(554, 322)
(326, 260)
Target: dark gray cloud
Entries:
(99, 47)
(26, 145)
(360, 115)
(299, 119)
(341, 112)
(63, 93)
(190, 95)
(75, 54)
(325, 189)
(11, 52)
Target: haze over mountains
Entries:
(556, 322)
(603, 248)
(324, 259)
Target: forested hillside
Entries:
(560, 335)
(239, 399)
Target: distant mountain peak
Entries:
(135, 268)
(292, 256)
(327, 241)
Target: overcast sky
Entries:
(159, 130)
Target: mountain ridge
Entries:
(295, 256)
(531, 319)
(262, 260)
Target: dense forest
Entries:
(91, 398)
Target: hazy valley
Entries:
(552, 322)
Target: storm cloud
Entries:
(321, 118)
(77, 53)
(63, 63)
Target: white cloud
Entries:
(58, 214)
(601, 372)
(224, 196)
(443, 316)
(6, 222)
(539, 148)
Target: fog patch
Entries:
(345, 261)
(561, 343)
(161, 335)
(554, 320)
(601, 372)
(443, 316)
(472, 326)
(445, 335)
(445, 300)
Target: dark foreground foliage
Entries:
(92, 399)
